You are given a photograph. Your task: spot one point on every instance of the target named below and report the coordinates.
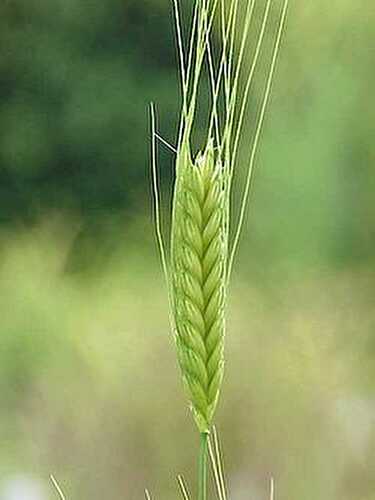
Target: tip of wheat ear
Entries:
(199, 256)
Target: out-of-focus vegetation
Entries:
(88, 382)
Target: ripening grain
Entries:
(199, 280)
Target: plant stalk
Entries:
(202, 467)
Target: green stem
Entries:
(202, 467)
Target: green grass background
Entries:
(88, 380)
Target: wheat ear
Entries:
(199, 280)
(201, 257)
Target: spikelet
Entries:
(199, 259)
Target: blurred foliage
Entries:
(76, 80)
(88, 382)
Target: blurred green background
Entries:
(89, 388)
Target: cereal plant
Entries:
(202, 246)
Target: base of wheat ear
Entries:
(201, 255)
